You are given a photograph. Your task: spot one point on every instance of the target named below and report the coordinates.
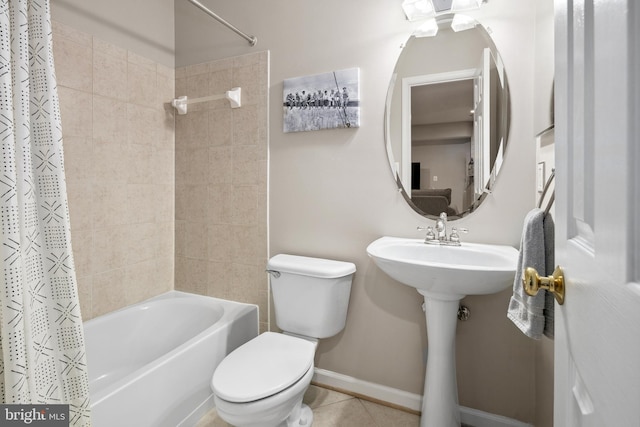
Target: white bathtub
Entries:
(151, 364)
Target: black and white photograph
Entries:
(322, 101)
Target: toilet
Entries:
(262, 382)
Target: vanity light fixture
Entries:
(462, 5)
(418, 9)
(431, 9)
(428, 29)
(462, 22)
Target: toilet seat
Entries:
(262, 367)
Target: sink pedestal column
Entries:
(440, 399)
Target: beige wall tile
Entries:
(219, 82)
(109, 204)
(197, 237)
(82, 243)
(141, 84)
(221, 165)
(220, 199)
(247, 78)
(80, 196)
(78, 157)
(180, 238)
(196, 202)
(221, 240)
(142, 242)
(165, 87)
(219, 279)
(109, 120)
(85, 286)
(196, 125)
(76, 111)
(244, 205)
(74, 66)
(110, 76)
(144, 280)
(220, 127)
(112, 159)
(236, 141)
(109, 249)
(198, 169)
(154, 193)
(245, 126)
(108, 291)
(142, 125)
(120, 165)
(245, 171)
(163, 167)
(141, 170)
(194, 273)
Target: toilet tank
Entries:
(310, 295)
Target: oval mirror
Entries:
(447, 119)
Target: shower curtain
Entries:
(41, 334)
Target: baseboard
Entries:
(405, 400)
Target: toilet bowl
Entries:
(262, 382)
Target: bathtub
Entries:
(151, 364)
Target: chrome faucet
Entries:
(441, 226)
(440, 236)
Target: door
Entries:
(597, 345)
(482, 123)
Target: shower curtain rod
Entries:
(251, 39)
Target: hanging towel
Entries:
(550, 262)
(533, 315)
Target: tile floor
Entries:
(334, 409)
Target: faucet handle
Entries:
(430, 233)
(454, 237)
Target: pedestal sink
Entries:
(444, 275)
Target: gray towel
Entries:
(534, 315)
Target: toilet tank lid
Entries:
(308, 266)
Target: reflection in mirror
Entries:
(447, 120)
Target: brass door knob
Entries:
(532, 283)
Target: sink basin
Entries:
(444, 275)
(446, 272)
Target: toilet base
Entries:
(303, 418)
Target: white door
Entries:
(597, 346)
(482, 123)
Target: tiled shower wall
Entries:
(221, 182)
(119, 160)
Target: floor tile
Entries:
(334, 409)
(320, 396)
(385, 416)
(349, 413)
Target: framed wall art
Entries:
(322, 101)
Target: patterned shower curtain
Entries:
(41, 334)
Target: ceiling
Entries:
(442, 103)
